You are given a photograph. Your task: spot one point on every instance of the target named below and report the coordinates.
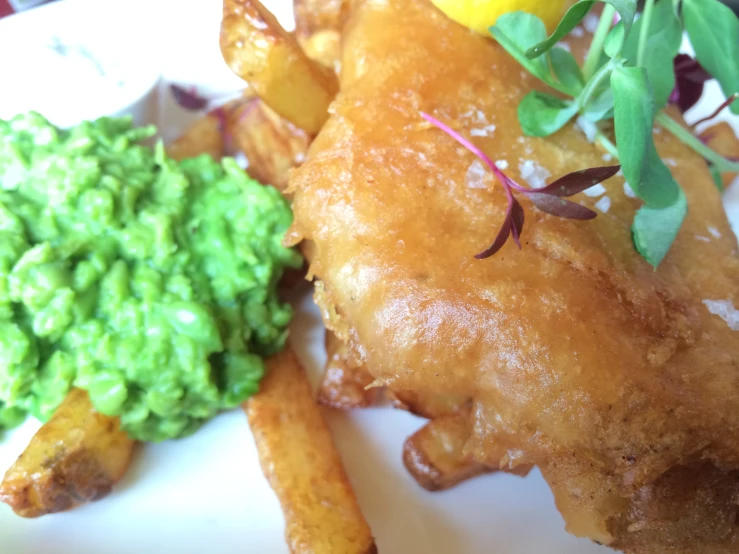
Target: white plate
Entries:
(206, 494)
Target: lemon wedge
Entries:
(480, 15)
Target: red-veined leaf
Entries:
(500, 240)
(517, 219)
(578, 181)
(560, 207)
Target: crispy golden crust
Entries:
(345, 385)
(75, 458)
(299, 459)
(428, 405)
(577, 355)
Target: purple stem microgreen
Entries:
(548, 199)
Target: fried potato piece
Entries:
(272, 144)
(75, 458)
(345, 385)
(318, 26)
(722, 138)
(325, 48)
(313, 16)
(434, 455)
(261, 52)
(205, 136)
(300, 461)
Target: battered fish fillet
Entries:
(574, 354)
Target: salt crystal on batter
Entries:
(502, 164)
(595, 190)
(604, 204)
(628, 191)
(484, 132)
(478, 177)
(534, 174)
(590, 23)
(577, 32)
(476, 115)
(725, 310)
(715, 232)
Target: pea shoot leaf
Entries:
(566, 70)
(600, 107)
(717, 177)
(662, 45)
(517, 32)
(625, 8)
(541, 114)
(634, 116)
(714, 33)
(654, 229)
(614, 40)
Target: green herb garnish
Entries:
(627, 78)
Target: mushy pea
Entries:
(148, 282)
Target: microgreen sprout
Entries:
(549, 199)
(631, 72)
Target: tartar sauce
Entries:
(65, 81)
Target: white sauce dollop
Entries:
(64, 81)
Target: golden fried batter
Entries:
(613, 378)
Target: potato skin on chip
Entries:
(302, 465)
(270, 60)
(76, 457)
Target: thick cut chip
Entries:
(434, 455)
(261, 52)
(302, 464)
(75, 458)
